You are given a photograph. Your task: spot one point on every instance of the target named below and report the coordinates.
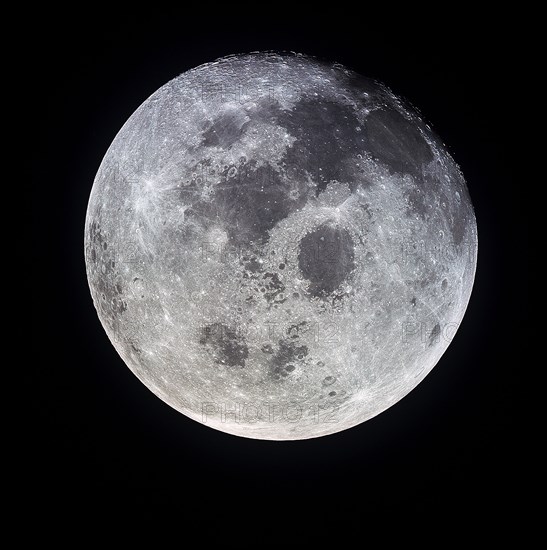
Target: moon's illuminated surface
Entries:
(279, 248)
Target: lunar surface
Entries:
(279, 248)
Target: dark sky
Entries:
(449, 444)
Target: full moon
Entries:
(278, 247)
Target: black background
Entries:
(449, 443)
